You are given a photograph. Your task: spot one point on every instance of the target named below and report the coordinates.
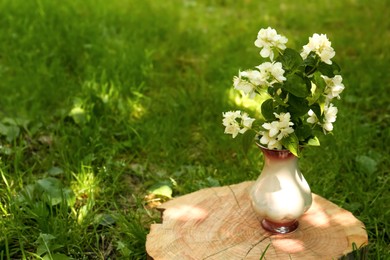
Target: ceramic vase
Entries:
(281, 194)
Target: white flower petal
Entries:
(265, 52)
(271, 72)
(247, 121)
(232, 129)
(321, 46)
(267, 40)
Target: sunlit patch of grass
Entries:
(86, 189)
(245, 103)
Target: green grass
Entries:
(103, 100)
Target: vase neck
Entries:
(277, 155)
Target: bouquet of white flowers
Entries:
(299, 88)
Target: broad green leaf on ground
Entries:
(366, 164)
(56, 256)
(79, 115)
(104, 219)
(55, 191)
(44, 241)
(11, 132)
(161, 190)
(55, 171)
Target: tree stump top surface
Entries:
(219, 223)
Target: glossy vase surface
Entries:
(281, 194)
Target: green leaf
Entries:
(280, 99)
(44, 240)
(326, 69)
(163, 190)
(212, 182)
(314, 141)
(11, 132)
(98, 105)
(311, 60)
(366, 164)
(50, 184)
(316, 108)
(336, 67)
(329, 70)
(78, 115)
(41, 249)
(310, 63)
(52, 190)
(298, 106)
(267, 110)
(247, 140)
(272, 91)
(257, 124)
(56, 256)
(55, 191)
(84, 211)
(27, 194)
(296, 86)
(320, 86)
(291, 143)
(290, 59)
(104, 219)
(303, 132)
(55, 171)
(3, 129)
(123, 248)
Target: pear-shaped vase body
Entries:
(281, 194)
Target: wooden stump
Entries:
(219, 223)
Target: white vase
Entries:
(281, 194)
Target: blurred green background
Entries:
(104, 102)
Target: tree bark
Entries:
(219, 223)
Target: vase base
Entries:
(279, 228)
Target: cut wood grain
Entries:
(219, 223)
